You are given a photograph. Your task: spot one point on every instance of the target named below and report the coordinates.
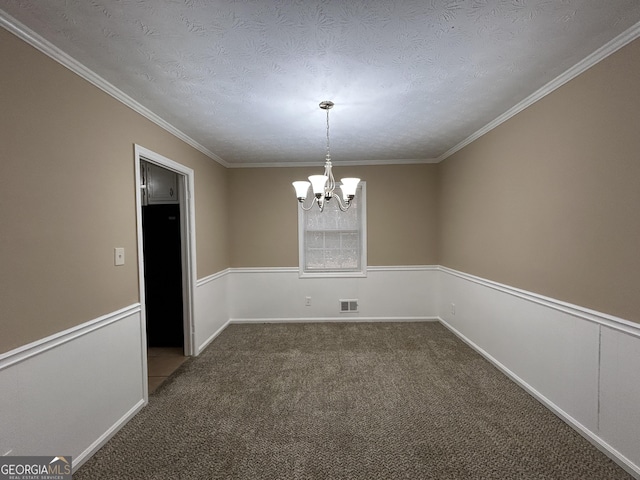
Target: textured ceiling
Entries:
(411, 79)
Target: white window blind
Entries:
(332, 242)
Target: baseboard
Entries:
(593, 438)
(211, 338)
(106, 436)
(347, 318)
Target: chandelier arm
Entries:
(307, 208)
(313, 202)
(343, 206)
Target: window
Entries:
(332, 242)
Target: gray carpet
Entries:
(344, 401)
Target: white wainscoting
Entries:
(620, 392)
(385, 294)
(67, 394)
(582, 364)
(211, 309)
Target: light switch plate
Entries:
(118, 256)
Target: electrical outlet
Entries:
(307, 301)
(453, 309)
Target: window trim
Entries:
(362, 272)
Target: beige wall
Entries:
(550, 200)
(67, 197)
(401, 214)
(547, 202)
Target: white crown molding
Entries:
(38, 42)
(603, 52)
(340, 163)
(43, 45)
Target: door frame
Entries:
(186, 186)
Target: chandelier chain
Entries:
(328, 144)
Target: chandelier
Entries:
(324, 185)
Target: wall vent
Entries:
(348, 305)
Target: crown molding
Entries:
(320, 162)
(40, 43)
(603, 52)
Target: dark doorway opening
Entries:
(162, 244)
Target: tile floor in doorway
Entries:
(162, 362)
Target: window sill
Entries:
(358, 274)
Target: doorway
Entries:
(166, 262)
(162, 248)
